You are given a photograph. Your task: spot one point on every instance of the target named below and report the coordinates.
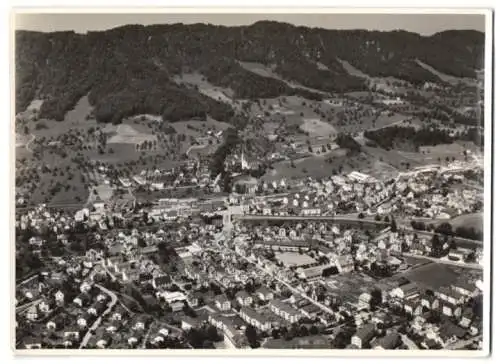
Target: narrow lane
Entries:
(97, 322)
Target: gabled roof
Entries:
(242, 294)
(409, 288)
(221, 298)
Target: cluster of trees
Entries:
(346, 141)
(474, 135)
(219, 157)
(445, 228)
(161, 97)
(204, 337)
(388, 137)
(128, 70)
(469, 233)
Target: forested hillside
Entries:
(129, 70)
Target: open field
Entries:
(353, 71)
(104, 191)
(198, 128)
(72, 190)
(435, 275)
(381, 170)
(318, 166)
(448, 150)
(205, 87)
(381, 83)
(290, 259)
(291, 108)
(122, 152)
(265, 71)
(394, 158)
(75, 119)
(389, 119)
(22, 152)
(127, 134)
(432, 275)
(474, 220)
(438, 154)
(316, 127)
(452, 80)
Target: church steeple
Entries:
(244, 163)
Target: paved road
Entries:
(445, 261)
(97, 322)
(339, 218)
(291, 288)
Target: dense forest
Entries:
(388, 137)
(129, 69)
(347, 142)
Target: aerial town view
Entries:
(198, 185)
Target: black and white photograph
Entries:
(251, 182)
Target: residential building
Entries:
(244, 298)
(222, 303)
(254, 318)
(264, 294)
(284, 310)
(363, 335)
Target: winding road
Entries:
(97, 322)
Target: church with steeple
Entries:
(244, 163)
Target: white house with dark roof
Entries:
(222, 302)
(244, 298)
(254, 318)
(264, 294)
(406, 291)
